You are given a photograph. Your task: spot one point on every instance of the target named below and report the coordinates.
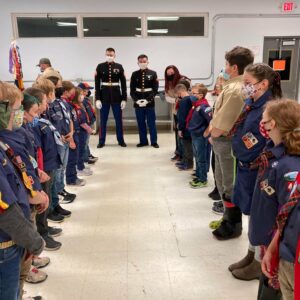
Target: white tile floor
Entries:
(139, 232)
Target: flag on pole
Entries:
(15, 65)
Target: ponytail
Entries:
(275, 86)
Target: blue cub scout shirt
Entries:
(11, 190)
(200, 119)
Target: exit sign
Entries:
(288, 6)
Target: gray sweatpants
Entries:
(224, 165)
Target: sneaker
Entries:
(40, 262)
(63, 212)
(90, 162)
(155, 145)
(66, 197)
(100, 145)
(36, 276)
(93, 157)
(51, 244)
(179, 163)
(176, 157)
(69, 194)
(140, 145)
(78, 182)
(214, 195)
(184, 167)
(215, 224)
(32, 298)
(199, 184)
(54, 231)
(85, 172)
(55, 217)
(218, 209)
(122, 144)
(218, 203)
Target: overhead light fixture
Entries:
(138, 29)
(157, 30)
(86, 29)
(167, 18)
(66, 24)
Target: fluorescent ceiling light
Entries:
(86, 29)
(162, 18)
(138, 29)
(158, 30)
(66, 24)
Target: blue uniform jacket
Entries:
(90, 111)
(12, 190)
(44, 139)
(58, 117)
(247, 142)
(185, 105)
(200, 119)
(271, 192)
(19, 142)
(291, 235)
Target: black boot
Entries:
(231, 226)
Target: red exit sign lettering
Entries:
(288, 6)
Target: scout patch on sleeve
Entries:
(264, 186)
(249, 140)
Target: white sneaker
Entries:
(84, 172)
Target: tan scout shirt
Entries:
(229, 105)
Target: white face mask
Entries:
(109, 58)
(143, 66)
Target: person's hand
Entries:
(180, 133)
(266, 264)
(68, 137)
(207, 131)
(43, 176)
(98, 104)
(142, 102)
(123, 104)
(43, 206)
(72, 144)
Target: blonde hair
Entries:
(286, 114)
(201, 89)
(45, 85)
(10, 92)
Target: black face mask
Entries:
(170, 77)
(89, 93)
(59, 91)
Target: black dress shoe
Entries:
(123, 144)
(142, 145)
(155, 145)
(100, 145)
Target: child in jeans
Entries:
(185, 105)
(197, 121)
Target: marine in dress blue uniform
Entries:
(111, 90)
(144, 85)
(247, 144)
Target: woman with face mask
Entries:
(172, 78)
(261, 85)
(17, 191)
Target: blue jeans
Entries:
(71, 171)
(10, 259)
(200, 145)
(81, 149)
(87, 151)
(59, 180)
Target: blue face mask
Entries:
(226, 76)
(193, 98)
(34, 122)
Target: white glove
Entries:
(142, 102)
(123, 104)
(98, 104)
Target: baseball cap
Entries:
(44, 60)
(85, 86)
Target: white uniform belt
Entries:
(110, 83)
(144, 90)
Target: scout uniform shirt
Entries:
(107, 83)
(144, 85)
(11, 191)
(272, 190)
(228, 105)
